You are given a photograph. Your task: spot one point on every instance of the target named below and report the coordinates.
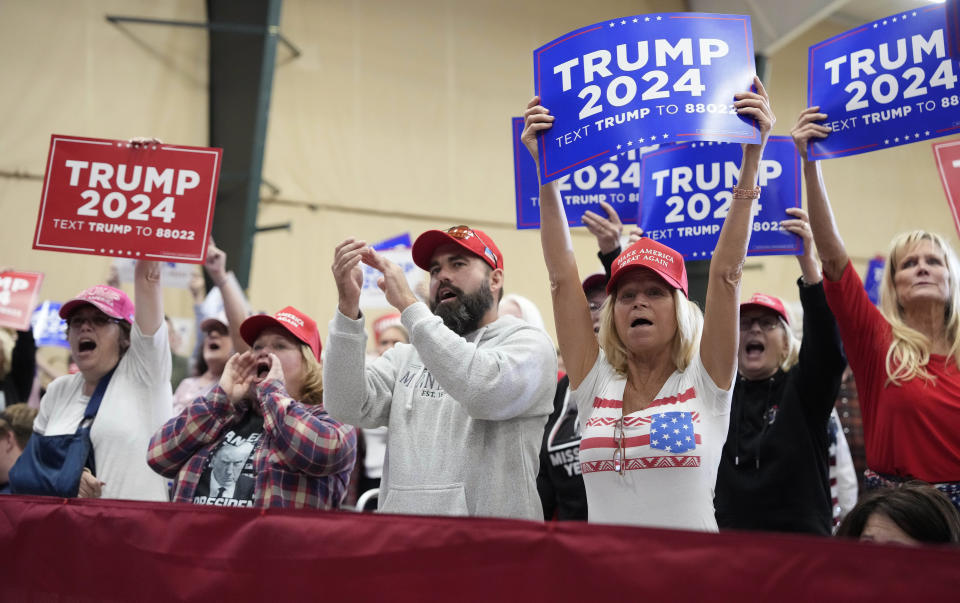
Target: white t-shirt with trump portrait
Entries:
(672, 449)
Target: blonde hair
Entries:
(311, 392)
(686, 341)
(909, 352)
(791, 354)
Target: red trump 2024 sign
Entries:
(108, 197)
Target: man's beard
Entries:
(464, 314)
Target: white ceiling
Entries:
(778, 22)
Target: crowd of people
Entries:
(650, 411)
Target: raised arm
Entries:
(148, 296)
(833, 255)
(721, 329)
(235, 304)
(571, 312)
(800, 226)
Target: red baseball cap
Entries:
(647, 253)
(594, 281)
(112, 302)
(290, 319)
(385, 322)
(473, 240)
(760, 300)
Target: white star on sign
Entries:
(686, 427)
(674, 420)
(635, 19)
(896, 140)
(676, 431)
(656, 442)
(927, 133)
(663, 426)
(629, 143)
(612, 24)
(646, 18)
(619, 146)
(659, 18)
(688, 438)
(663, 136)
(669, 449)
(623, 22)
(887, 141)
(640, 141)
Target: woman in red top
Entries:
(904, 355)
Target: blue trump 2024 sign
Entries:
(647, 79)
(616, 181)
(686, 194)
(887, 83)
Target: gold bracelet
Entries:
(746, 193)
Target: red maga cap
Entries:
(112, 302)
(760, 300)
(291, 320)
(647, 253)
(473, 240)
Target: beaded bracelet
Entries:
(746, 193)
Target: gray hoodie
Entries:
(465, 416)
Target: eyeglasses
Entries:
(96, 321)
(766, 323)
(464, 232)
(619, 451)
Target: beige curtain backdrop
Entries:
(395, 119)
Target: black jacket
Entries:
(559, 482)
(17, 384)
(774, 469)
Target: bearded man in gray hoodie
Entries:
(465, 402)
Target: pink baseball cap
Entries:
(760, 300)
(112, 302)
(290, 319)
(647, 253)
(473, 240)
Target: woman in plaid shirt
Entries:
(261, 437)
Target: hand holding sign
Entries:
(756, 105)
(807, 128)
(800, 226)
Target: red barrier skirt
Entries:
(83, 550)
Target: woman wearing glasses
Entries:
(775, 463)
(653, 403)
(112, 340)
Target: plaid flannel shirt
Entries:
(303, 461)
